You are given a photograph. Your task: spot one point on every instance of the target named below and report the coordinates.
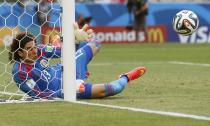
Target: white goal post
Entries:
(69, 71)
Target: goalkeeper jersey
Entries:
(40, 79)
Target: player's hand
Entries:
(83, 34)
(56, 41)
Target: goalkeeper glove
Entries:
(83, 34)
(56, 41)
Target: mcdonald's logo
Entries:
(156, 35)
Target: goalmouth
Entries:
(19, 17)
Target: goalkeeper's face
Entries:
(29, 53)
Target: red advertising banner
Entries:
(118, 34)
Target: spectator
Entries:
(82, 20)
(139, 8)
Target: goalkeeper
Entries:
(34, 76)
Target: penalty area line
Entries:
(174, 114)
(189, 63)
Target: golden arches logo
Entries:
(155, 35)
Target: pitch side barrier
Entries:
(115, 17)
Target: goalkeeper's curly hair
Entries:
(18, 44)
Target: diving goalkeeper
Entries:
(34, 75)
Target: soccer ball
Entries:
(185, 22)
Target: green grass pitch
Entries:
(167, 86)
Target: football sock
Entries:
(116, 86)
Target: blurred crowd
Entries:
(101, 1)
(151, 1)
(120, 1)
(180, 1)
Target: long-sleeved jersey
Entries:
(40, 79)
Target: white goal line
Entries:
(11, 93)
(174, 114)
(29, 101)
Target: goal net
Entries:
(45, 20)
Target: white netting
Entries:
(42, 18)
